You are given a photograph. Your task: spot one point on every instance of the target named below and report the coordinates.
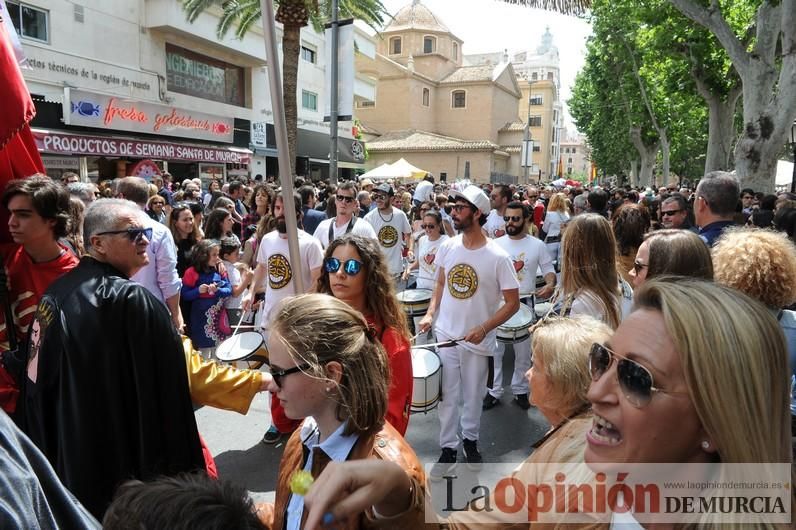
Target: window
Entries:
(569, 160)
(426, 97)
(455, 51)
(30, 22)
(204, 77)
(467, 169)
(395, 46)
(309, 100)
(534, 76)
(443, 176)
(536, 147)
(429, 44)
(458, 100)
(573, 150)
(308, 54)
(535, 121)
(366, 104)
(550, 76)
(536, 100)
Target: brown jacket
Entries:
(386, 444)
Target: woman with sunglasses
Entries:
(417, 226)
(666, 388)
(328, 367)
(355, 272)
(155, 208)
(671, 252)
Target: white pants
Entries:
(522, 363)
(466, 373)
(552, 249)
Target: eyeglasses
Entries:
(460, 207)
(428, 226)
(344, 198)
(634, 379)
(669, 212)
(133, 234)
(280, 374)
(638, 266)
(351, 267)
(378, 196)
(512, 218)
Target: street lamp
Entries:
(793, 146)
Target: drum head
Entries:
(424, 362)
(411, 296)
(542, 308)
(521, 319)
(240, 346)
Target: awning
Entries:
(312, 144)
(63, 143)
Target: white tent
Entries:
(383, 172)
(784, 173)
(406, 170)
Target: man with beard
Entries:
(528, 255)
(273, 260)
(392, 229)
(472, 274)
(495, 226)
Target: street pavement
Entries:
(507, 433)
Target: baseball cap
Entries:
(474, 196)
(384, 188)
(365, 182)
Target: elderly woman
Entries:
(667, 388)
(671, 252)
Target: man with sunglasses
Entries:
(472, 274)
(528, 255)
(674, 213)
(499, 198)
(346, 220)
(106, 387)
(391, 227)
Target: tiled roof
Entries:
(509, 148)
(464, 74)
(513, 126)
(412, 140)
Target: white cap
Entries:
(475, 196)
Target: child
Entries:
(206, 288)
(230, 256)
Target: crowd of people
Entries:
(661, 320)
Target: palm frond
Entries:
(247, 19)
(567, 7)
(193, 8)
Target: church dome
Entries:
(416, 16)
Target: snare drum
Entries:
(247, 346)
(427, 380)
(542, 308)
(415, 301)
(515, 329)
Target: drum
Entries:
(427, 380)
(247, 346)
(415, 301)
(515, 329)
(542, 308)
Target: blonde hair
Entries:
(562, 345)
(734, 363)
(760, 263)
(318, 329)
(558, 203)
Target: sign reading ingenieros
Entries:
(104, 111)
(51, 142)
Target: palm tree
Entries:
(568, 7)
(293, 15)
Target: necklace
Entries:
(392, 213)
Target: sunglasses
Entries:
(344, 198)
(278, 375)
(634, 379)
(669, 212)
(638, 266)
(512, 218)
(351, 267)
(428, 226)
(460, 207)
(133, 234)
(378, 197)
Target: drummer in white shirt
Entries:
(527, 255)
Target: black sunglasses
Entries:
(428, 226)
(638, 266)
(345, 198)
(279, 374)
(378, 196)
(669, 212)
(351, 267)
(460, 207)
(133, 234)
(512, 218)
(634, 379)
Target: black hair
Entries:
(517, 205)
(228, 246)
(597, 199)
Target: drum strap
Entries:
(347, 230)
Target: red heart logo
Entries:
(518, 265)
(429, 258)
(500, 233)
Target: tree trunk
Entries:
(721, 130)
(291, 46)
(665, 157)
(633, 175)
(647, 154)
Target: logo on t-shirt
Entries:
(499, 232)
(279, 271)
(519, 265)
(388, 236)
(462, 281)
(45, 314)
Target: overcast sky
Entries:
(491, 25)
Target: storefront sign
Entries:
(59, 143)
(259, 137)
(204, 77)
(110, 112)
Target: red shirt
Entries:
(27, 282)
(399, 397)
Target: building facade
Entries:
(576, 156)
(129, 87)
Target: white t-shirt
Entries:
(495, 225)
(232, 302)
(360, 229)
(527, 256)
(427, 266)
(390, 230)
(553, 221)
(423, 191)
(274, 254)
(474, 285)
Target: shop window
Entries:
(30, 22)
(309, 100)
(429, 44)
(395, 46)
(458, 99)
(536, 147)
(426, 97)
(535, 121)
(308, 54)
(549, 76)
(203, 77)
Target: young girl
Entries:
(206, 289)
(240, 276)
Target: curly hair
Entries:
(380, 295)
(630, 223)
(760, 263)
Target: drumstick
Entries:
(242, 316)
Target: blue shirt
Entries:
(337, 447)
(713, 231)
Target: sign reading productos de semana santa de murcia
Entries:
(103, 111)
